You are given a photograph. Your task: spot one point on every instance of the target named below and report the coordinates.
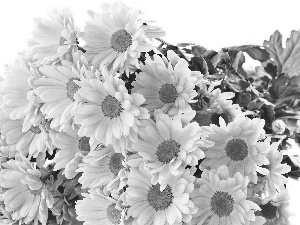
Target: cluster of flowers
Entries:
(81, 144)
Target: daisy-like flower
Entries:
(102, 167)
(238, 145)
(273, 171)
(25, 195)
(68, 144)
(151, 205)
(53, 38)
(56, 88)
(34, 142)
(96, 208)
(221, 199)
(166, 85)
(108, 113)
(168, 147)
(275, 209)
(117, 37)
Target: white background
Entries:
(212, 24)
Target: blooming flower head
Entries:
(107, 112)
(149, 204)
(96, 208)
(166, 85)
(168, 147)
(102, 167)
(56, 89)
(275, 181)
(53, 38)
(221, 199)
(237, 145)
(117, 37)
(275, 209)
(24, 194)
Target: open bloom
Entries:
(108, 113)
(237, 145)
(102, 167)
(96, 208)
(117, 37)
(168, 147)
(24, 194)
(53, 38)
(221, 199)
(166, 85)
(151, 205)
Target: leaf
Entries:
(254, 51)
(185, 44)
(236, 85)
(198, 50)
(199, 64)
(287, 59)
(243, 99)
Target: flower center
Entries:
(113, 214)
(222, 203)
(236, 149)
(35, 130)
(111, 107)
(268, 210)
(167, 150)
(120, 40)
(84, 144)
(115, 163)
(72, 88)
(160, 200)
(168, 93)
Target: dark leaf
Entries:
(268, 113)
(198, 50)
(199, 64)
(254, 51)
(188, 51)
(271, 69)
(236, 85)
(215, 118)
(185, 44)
(209, 54)
(243, 99)
(211, 68)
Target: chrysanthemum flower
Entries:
(166, 85)
(117, 37)
(24, 194)
(237, 145)
(274, 170)
(221, 199)
(275, 209)
(68, 144)
(168, 147)
(56, 88)
(34, 142)
(53, 38)
(151, 205)
(98, 209)
(108, 113)
(102, 167)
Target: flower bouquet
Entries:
(114, 125)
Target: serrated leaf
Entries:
(254, 51)
(243, 99)
(287, 59)
(198, 50)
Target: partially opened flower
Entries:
(221, 199)
(238, 145)
(108, 113)
(166, 85)
(275, 209)
(102, 167)
(168, 147)
(149, 204)
(53, 38)
(95, 208)
(25, 195)
(117, 37)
